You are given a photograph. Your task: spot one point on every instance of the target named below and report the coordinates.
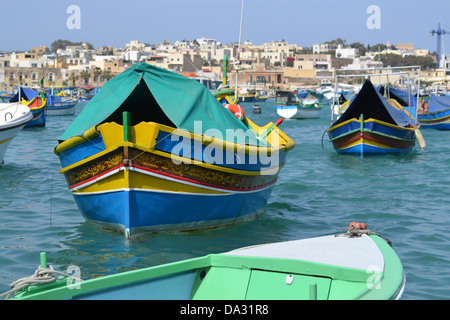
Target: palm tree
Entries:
(73, 77)
(85, 75)
(107, 74)
(97, 73)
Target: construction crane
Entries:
(440, 42)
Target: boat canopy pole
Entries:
(384, 68)
(239, 52)
(368, 75)
(334, 98)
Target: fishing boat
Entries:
(156, 151)
(247, 96)
(87, 93)
(13, 117)
(373, 125)
(261, 96)
(60, 105)
(36, 101)
(6, 96)
(289, 106)
(355, 265)
(434, 112)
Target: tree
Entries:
(85, 75)
(107, 74)
(97, 73)
(62, 44)
(395, 60)
(73, 77)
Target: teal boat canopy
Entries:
(153, 94)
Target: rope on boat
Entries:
(357, 231)
(323, 134)
(40, 276)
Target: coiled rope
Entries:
(40, 276)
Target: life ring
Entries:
(237, 110)
(424, 107)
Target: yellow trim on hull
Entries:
(144, 137)
(370, 120)
(366, 142)
(126, 179)
(6, 140)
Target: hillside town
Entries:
(270, 66)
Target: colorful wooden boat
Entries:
(290, 107)
(182, 162)
(13, 117)
(356, 265)
(87, 93)
(6, 96)
(60, 105)
(373, 125)
(36, 101)
(434, 112)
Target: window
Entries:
(260, 79)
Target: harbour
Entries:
(320, 193)
(207, 171)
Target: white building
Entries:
(133, 56)
(347, 53)
(324, 47)
(205, 41)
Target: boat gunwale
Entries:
(392, 287)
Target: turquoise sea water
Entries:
(404, 198)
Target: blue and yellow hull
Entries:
(370, 137)
(37, 107)
(155, 182)
(85, 96)
(435, 120)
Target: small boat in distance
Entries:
(36, 101)
(13, 117)
(355, 265)
(60, 106)
(290, 107)
(373, 125)
(434, 112)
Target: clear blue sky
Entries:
(28, 23)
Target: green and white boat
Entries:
(352, 265)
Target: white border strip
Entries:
(156, 175)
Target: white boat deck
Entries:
(357, 252)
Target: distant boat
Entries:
(261, 96)
(373, 125)
(248, 96)
(13, 117)
(6, 96)
(60, 105)
(87, 93)
(288, 106)
(36, 101)
(152, 152)
(356, 265)
(434, 112)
